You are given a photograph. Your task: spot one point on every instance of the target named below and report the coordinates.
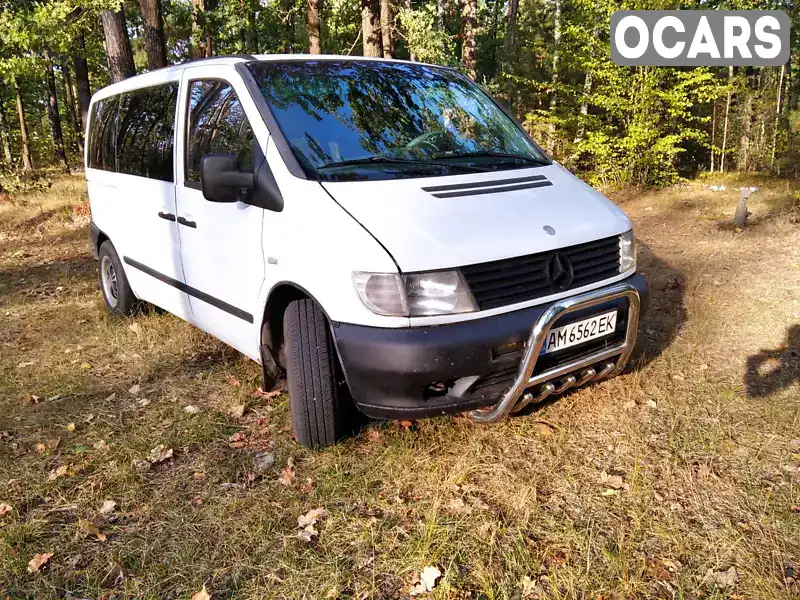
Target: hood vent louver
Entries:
(496, 186)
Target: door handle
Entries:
(167, 216)
(182, 221)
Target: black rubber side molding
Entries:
(194, 292)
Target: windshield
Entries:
(354, 120)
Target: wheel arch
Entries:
(271, 339)
(98, 237)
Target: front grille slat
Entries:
(497, 284)
(522, 278)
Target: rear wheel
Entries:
(116, 291)
(320, 405)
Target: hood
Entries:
(446, 222)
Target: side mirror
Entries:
(221, 179)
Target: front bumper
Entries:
(427, 371)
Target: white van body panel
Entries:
(316, 246)
(425, 233)
(126, 207)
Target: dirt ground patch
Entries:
(679, 479)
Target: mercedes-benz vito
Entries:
(384, 232)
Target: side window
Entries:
(146, 132)
(216, 125)
(103, 135)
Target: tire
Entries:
(114, 284)
(318, 397)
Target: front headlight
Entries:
(415, 294)
(627, 251)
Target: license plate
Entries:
(580, 332)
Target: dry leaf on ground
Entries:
(724, 580)
(70, 427)
(615, 482)
(233, 381)
(263, 461)
(135, 389)
(202, 594)
(59, 472)
(5, 509)
(87, 528)
(159, 454)
(38, 561)
(109, 506)
(307, 522)
(237, 410)
(191, 409)
(287, 475)
(260, 393)
(427, 581)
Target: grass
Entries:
(699, 436)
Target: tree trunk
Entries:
(469, 25)
(154, 44)
(252, 32)
(742, 159)
(440, 12)
(82, 81)
(371, 27)
(727, 114)
(387, 28)
(511, 29)
(314, 45)
(587, 90)
(117, 44)
(25, 149)
(556, 58)
(202, 40)
(5, 136)
(777, 117)
(70, 101)
(740, 217)
(288, 6)
(713, 134)
(52, 112)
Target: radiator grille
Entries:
(523, 278)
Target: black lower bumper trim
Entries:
(390, 371)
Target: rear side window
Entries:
(103, 135)
(146, 132)
(216, 125)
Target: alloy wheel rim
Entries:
(109, 277)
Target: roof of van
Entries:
(172, 73)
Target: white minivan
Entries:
(384, 232)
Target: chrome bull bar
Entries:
(516, 398)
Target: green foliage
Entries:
(424, 40)
(613, 125)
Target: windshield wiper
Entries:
(486, 154)
(400, 161)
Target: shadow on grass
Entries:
(774, 370)
(33, 281)
(666, 314)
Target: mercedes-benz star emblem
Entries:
(559, 270)
(549, 230)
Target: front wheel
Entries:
(318, 397)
